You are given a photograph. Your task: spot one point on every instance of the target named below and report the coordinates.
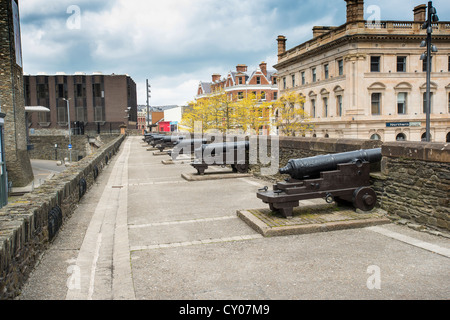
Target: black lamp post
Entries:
(428, 25)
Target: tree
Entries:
(252, 114)
(290, 115)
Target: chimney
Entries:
(241, 68)
(281, 44)
(420, 13)
(263, 67)
(215, 77)
(355, 10)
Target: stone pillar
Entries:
(17, 159)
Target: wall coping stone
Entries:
(426, 151)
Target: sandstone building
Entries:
(364, 79)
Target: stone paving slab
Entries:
(310, 219)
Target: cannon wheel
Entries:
(242, 168)
(364, 198)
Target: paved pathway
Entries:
(143, 232)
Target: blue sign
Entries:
(70, 146)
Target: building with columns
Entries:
(364, 79)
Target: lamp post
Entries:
(70, 130)
(431, 18)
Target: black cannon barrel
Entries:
(225, 146)
(311, 167)
(191, 142)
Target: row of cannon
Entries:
(343, 178)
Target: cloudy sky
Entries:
(177, 43)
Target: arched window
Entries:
(448, 137)
(375, 137)
(424, 136)
(400, 137)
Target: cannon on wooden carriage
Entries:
(149, 138)
(234, 154)
(167, 142)
(186, 146)
(342, 178)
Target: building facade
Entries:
(365, 79)
(240, 83)
(97, 103)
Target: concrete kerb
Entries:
(214, 176)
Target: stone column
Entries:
(18, 163)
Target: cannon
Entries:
(234, 154)
(167, 142)
(151, 137)
(343, 178)
(185, 147)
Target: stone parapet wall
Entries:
(414, 183)
(28, 225)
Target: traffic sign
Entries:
(70, 146)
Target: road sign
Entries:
(70, 146)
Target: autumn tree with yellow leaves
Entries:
(290, 115)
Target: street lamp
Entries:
(431, 18)
(70, 130)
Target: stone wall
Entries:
(414, 183)
(28, 225)
(44, 146)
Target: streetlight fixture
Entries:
(70, 130)
(431, 18)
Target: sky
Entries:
(175, 44)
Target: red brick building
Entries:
(238, 84)
(98, 102)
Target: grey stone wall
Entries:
(414, 183)
(27, 227)
(12, 101)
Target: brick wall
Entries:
(25, 226)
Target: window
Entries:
(303, 78)
(80, 90)
(284, 83)
(376, 103)
(61, 91)
(425, 102)
(258, 80)
(325, 107)
(375, 64)
(98, 114)
(401, 64)
(424, 64)
(449, 103)
(293, 80)
(326, 71)
(62, 114)
(339, 106)
(240, 95)
(375, 137)
(400, 137)
(42, 91)
(313, 108)
(401, 102)
(263, 95)
(97, 88)
(275, 95)
(274, 80)
(341, 67)
(240, 81)
(314, 75)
